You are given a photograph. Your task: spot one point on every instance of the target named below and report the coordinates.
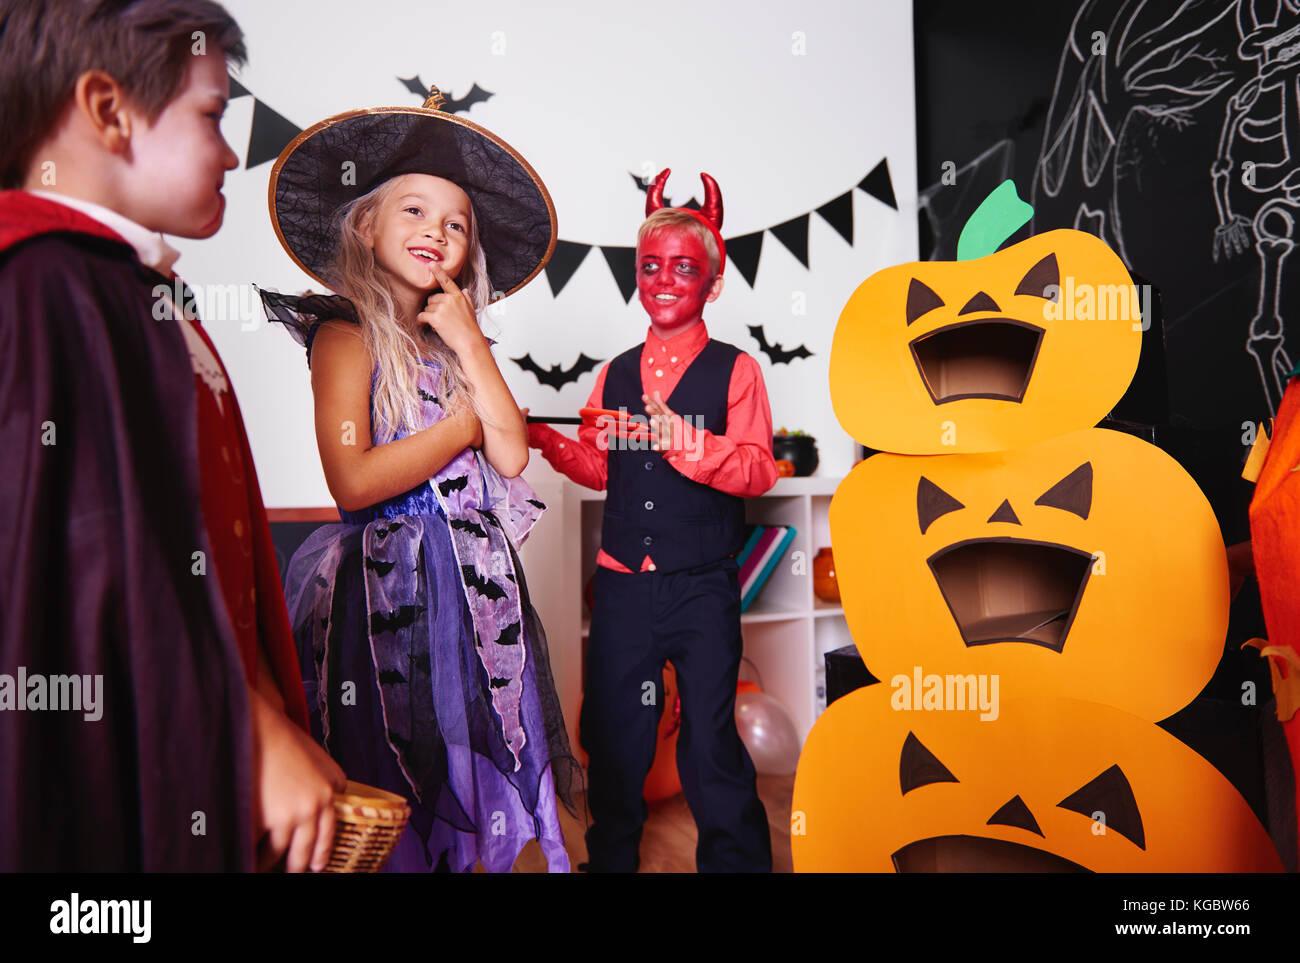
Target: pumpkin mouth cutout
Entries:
(991, 358)
(976, 854)
(1012, 590)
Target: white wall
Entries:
(588, 92)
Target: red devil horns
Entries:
(654, 197)
(711, 209)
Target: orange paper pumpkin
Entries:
(1089, 565)
(940, 357)
(1048, 786)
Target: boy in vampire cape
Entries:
(136, 566)
(666, 584)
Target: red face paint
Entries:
(673, 278)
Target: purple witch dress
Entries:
(426, 667)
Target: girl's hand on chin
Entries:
(450, 313)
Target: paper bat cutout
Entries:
(643, 185)
(777, 353)
(476, 94)
(554, 377)
(485, 587)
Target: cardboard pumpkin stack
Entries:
(1034, 593)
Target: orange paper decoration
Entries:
(1088, 565)
(939, 357)
(1048, 786)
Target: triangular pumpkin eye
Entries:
(1040, 278)
(932, 502)
(1111, 795)
(1015, 813)
(918, 766)
(920, 300)
(1073, 493)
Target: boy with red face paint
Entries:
(666, 583)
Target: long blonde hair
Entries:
(396, 346)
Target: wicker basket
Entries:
(369, 823)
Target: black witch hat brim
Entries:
(350, 154)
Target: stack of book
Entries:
(764, 548)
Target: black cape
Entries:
(98, 532)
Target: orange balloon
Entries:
(662, 781)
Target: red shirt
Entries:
(739, 463)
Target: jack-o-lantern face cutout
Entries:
(943, 357)
(1048, 786)
(1088, 565)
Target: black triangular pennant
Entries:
(691, 205)
(794, 235)
(744, 252)
(237, 89)
(568, 257)
(622, 264)
(878, 184)
(271, 133)
(839, 215)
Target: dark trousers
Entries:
(691, 618)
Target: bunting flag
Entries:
(622, 264)
(879, 185)
(744, 250)
(566, 259)
(839, 215)
(271, 132)
(794, 235)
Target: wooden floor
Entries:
(668, 840)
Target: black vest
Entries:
(650, 508)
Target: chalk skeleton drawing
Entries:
(1123, 62)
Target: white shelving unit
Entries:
(787, 630)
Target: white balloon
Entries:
(767, 732)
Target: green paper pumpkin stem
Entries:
(999, 216)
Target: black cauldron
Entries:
(799, 449)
